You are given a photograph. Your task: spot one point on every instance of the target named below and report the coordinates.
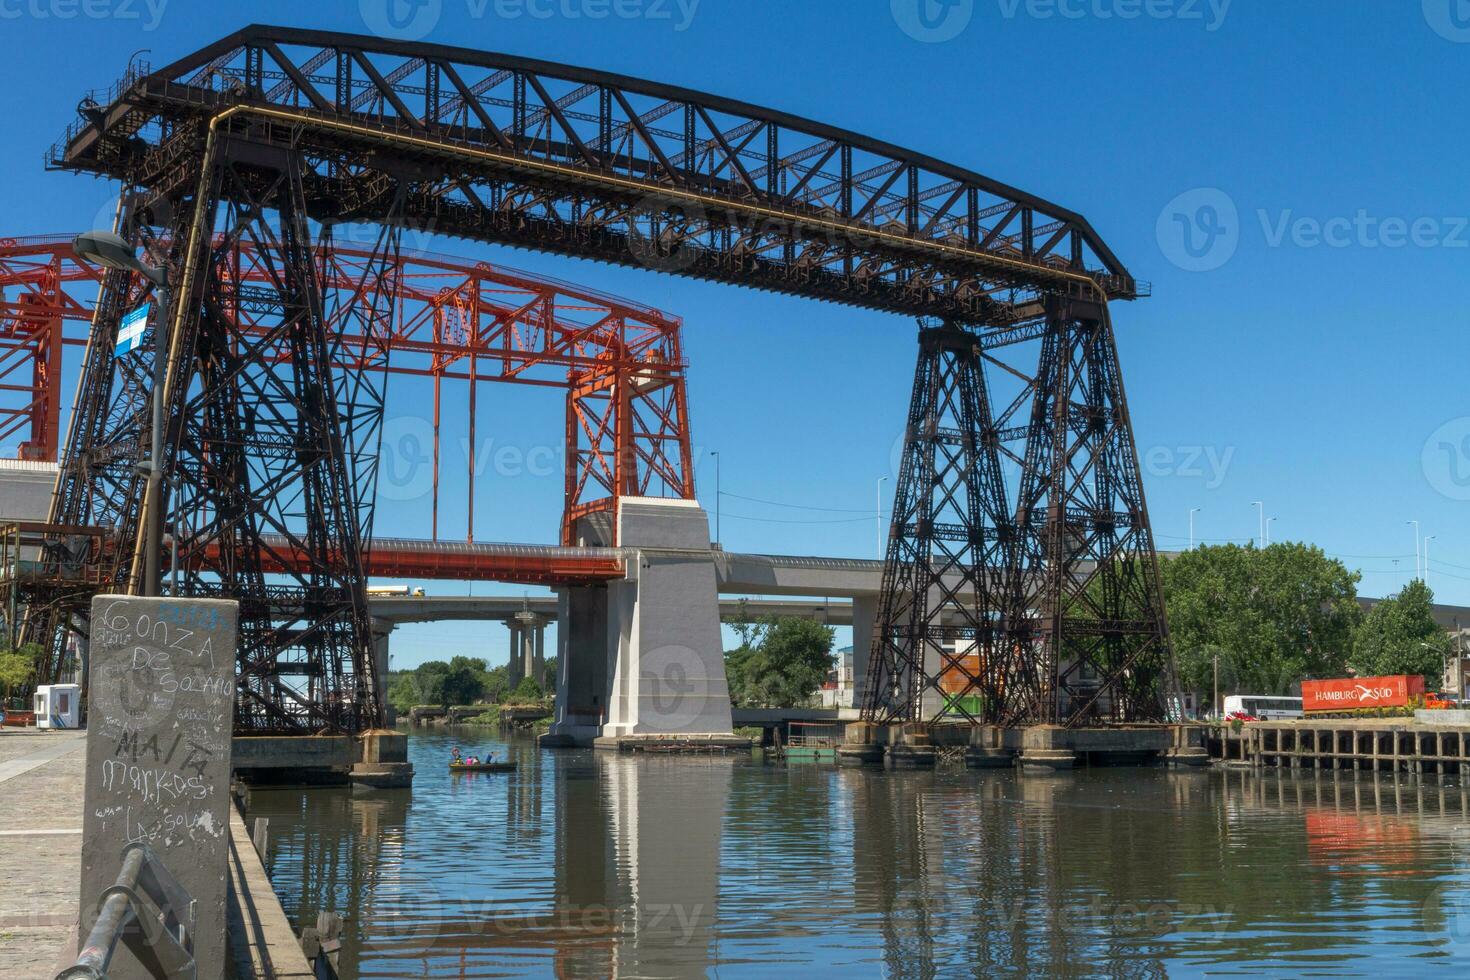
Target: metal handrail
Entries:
(150, 912)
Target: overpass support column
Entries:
(515, 668)
(583, 663)
(528, 650)
(382, 629)
(864, 614)
(540, 660)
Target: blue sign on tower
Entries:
(130, 331)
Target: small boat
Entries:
(482, 767)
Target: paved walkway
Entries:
(40, 849)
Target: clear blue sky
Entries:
(1322, 373)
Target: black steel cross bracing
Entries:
(490, 127)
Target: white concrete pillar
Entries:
(539, 671)
(669, 674)
(382, 629)
(864, 614)
(515, 666)
(528, 650)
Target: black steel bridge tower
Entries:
(1033, 607)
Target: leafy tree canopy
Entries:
(1271, 615)
(18, 666)
(781, 662)
(1399, 636)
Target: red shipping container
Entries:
(1349, 693)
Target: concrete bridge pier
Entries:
(516, 665)
(382, 629)
(641, 660)
(864, 616)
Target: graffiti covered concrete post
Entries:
(161, 714)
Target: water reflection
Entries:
(584, 864)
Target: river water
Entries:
(591, 864)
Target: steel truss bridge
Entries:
(272, 137)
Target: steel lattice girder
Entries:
(581, 162)
(457, 321)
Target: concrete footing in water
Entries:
(663, 744)
(371, 761)
(1039, 748)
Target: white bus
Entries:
(1267, 707)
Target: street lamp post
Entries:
(1192, 512)
(1268, 530)
(1425, 577)
(1261, 506)
(1216, 705)
(881, 553)
(1416, 548)
(111, 251)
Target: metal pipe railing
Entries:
(150, 913)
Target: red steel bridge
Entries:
(627, 413)
(1020, 577)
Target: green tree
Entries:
(18, 667)
(497, 684)
(527, 692)
(781, 662)
(428, 679)
(403, 693)
(1272, 616)
(463, 682)
(1399, 636)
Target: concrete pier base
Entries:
(992, 747)
(1046, 748)
(863, 745)
(1188, 749)
(910, 748)
(375, 760)
(670, 744)
(640, 660)
(383, 762)
(903, 756)
(855, 756)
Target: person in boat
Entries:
(455, 758)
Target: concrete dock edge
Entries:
(262, 943)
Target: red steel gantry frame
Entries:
(621, 363)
